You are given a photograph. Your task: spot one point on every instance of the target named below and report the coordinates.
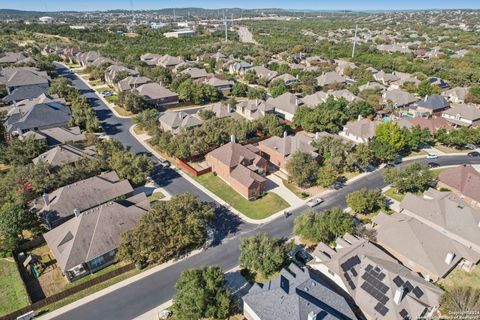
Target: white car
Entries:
(432, 156)
(314, 202)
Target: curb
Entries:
(205, 190)
(96, 93)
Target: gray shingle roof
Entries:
(64, 154)
(85, 194)
(95, 232)
(433, 102)
(294, 294)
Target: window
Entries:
(98, 261)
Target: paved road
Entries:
(146, 294)
(226, 223)
(245, 35)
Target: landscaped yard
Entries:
(394, 194)
(156, 196)
(446, 149)
(101, 89)
(258, 209)
(13, 295)
(302, 194)
(122, 111)
(460, 278)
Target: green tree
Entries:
(170, 229)
(21, 152)
(120, 76)
(14, 218)
(323, 226)
(135, 168)
(264, 255)
(384, 152)
(239, 89)
(250, 76)
(413, 178)
(147, 119)
(302, 169)
(390, 133)
(473, 95)
(366, 201)
(425, 88)
(256, 93)
(130, 100)
(416, 137)
(360, 108)
(327, 176)
(271, 124)
(201, 294)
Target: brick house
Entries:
(241, 167)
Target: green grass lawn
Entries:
(101, 89)
(156, 196)
(392, 193)
(258, 209)
(298, 192)
(123, 112)
(460, 278)
(13, 295)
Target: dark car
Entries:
(474, 154)
(433, 165)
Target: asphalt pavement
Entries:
(149, 292)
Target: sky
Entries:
(90, 5)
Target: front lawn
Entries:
(293, 187)
(13, 295)
(156, 196)
(258, 209)
(122, 111)
(394, 194)
(460, 278)
(101, 89)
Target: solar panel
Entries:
(404, 314)
(350, 283)
(354, 272)
(350, 263)
(369, 267)
(377, 269)
(408, 286)
(417, 292)
(381, 276)
(380, 308)
(398, 281)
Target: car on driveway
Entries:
(106, 93)
(314, 202)
(471, 146)
(432, 156)
(474, 154)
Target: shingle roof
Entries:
(195, 73)
(433, 102)
(466, 111)
(290, 144)
(315, 99)
(363, 128)
(357, 261)
(420, 243)
(331, 77)
(399, 97)
(154, 91)
(86, 194)
(287, 102)
(95, 232)
(180, 119)
(464, 178)
(62, 135)
(25, 93)
(38, 116)
(131, 82)
(294, 294)
(64, 154)
(445, 211)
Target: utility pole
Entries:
(174, 16)
(355, 40)
(226, 27)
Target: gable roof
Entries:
(64, 154)
(95, 232)
(363, 128)
(180, 119)
(315, 99)
(330, 77)
(26, 77)
(288, 145)
(25, 93)
(399, 97)
(464, 178)
(154, 91)
(433, 102)
(359, 264)
(295, 294)
(265, 73)
(466, 111)
(432, 124)
(60, 135)
(38, 116)
(420, 244)
(195, 73)
(447, 213)
(287, 102)
(85, 194)
(130, 82)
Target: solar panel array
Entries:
(374, 287)
(349, 266)
(408, 287)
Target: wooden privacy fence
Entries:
(70, 291)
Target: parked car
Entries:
(314, 202)
(164, 163)
(432, 156)
(474, 154)
(433, 165)
(471, 146)
(106, 93)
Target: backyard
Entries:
(13, 295)
(258, 209)
(394, 194)
(460, 278)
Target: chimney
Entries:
(285, 133)
(359, 117)
(46, 199)
(297, 102)
(398, 295)
(76, 212)
(317, 135)
(229, 108)
(449, 257)
(256, 102)
(426, 96)
(312, 316)
(232, 138)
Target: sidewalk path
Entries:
(279, 188)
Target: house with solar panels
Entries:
(380, 286)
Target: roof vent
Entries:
(449, 257)
(397, 298)
(312, 316)
(76, 212)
